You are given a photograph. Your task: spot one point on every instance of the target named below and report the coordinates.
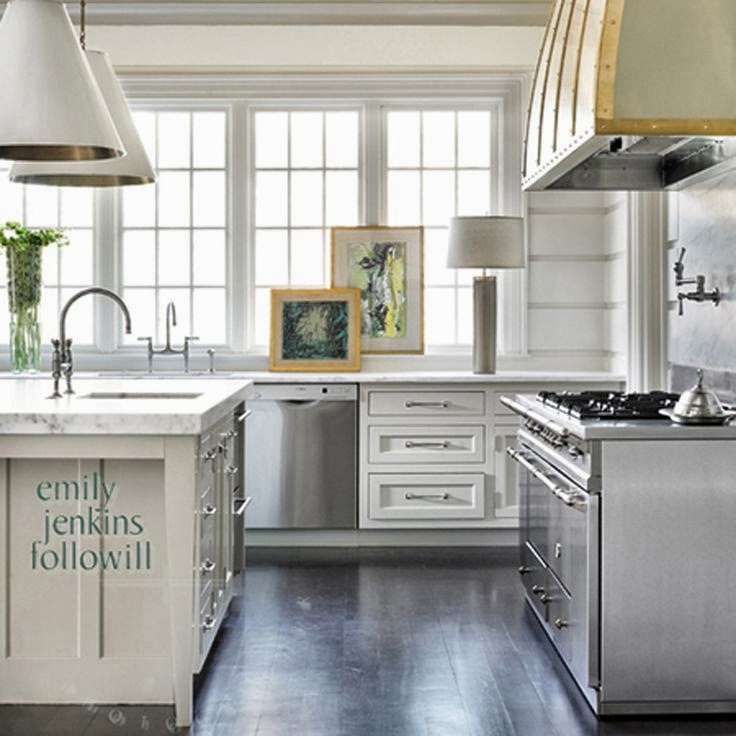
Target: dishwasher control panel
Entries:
(305, 392)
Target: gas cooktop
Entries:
(609, 404)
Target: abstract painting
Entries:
(385, 263)
(315, 329)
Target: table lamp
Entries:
(485, 242)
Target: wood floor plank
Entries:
(373, 642)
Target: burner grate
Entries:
(609, 404)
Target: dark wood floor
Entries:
(373, 643)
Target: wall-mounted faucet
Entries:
(167, 349)
(61, 360)
(700, 294)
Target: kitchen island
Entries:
(116, 511)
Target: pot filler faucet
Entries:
(61, 360)
(700, 294)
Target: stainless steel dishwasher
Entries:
(301, 456)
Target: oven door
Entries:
(559, 543)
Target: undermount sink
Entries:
(139, 395)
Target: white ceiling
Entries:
(296, 12)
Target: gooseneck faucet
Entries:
(61, 360)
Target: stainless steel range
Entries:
(626, 548)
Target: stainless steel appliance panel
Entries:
(559, 540)
(301, 456)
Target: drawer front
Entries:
(420, 496)
(451, 444)
(426, 403)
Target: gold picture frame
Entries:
(387, 265)
(315, 330)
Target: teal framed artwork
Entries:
(315, 330)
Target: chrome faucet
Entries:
(700, 294)
(167, 349)
(61, 360)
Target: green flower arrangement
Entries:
(23, 247)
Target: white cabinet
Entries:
(425, 460)
(217, 482)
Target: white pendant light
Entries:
(133, 168)
(51, 108)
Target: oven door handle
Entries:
(574, 499)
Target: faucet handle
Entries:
(211, 353)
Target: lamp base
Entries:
(484, 324)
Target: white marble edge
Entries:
(403, 377)
(630, 429)
(26, 409)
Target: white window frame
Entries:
(238, 93)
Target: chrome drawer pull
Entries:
(207, 566)
(209, 510)
(208, 623)
(437, 404)
(560, 623)
(231, 470)
(244, 415)
(439, 445)
(427, 496)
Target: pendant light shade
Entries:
(133, 168)
(51, 108)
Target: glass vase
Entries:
(24, 295)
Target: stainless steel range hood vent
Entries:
(633, 94)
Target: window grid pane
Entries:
(307, 179)
(438, 166)
(64, 270)
(174, 232)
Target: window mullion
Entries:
(107, 250)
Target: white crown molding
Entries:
(136, 12)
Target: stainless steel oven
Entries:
(559, 543)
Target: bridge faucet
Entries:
(167, 349)
(61, 360)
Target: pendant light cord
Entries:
(82, 24)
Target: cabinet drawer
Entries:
(426, 403)
(430, 496)
(407, 444)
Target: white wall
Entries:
(211, 48)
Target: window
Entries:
(174, 233)
(248, 187)
(306, 180)
(439, 164)
(66, 269)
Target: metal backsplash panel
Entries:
(705, 336)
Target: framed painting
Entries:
(315, 330)
(386, 265)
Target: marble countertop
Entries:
(408, 376)
(629, 429)
(168, 406)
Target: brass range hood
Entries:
(633, 95)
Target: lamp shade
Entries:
(133, 168)
(51, 108)
(486, 242)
